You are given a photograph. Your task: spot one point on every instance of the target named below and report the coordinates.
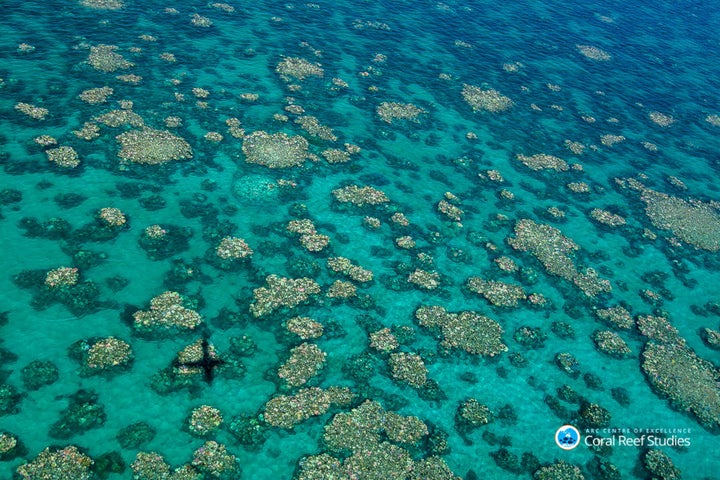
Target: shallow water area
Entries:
(220, 222)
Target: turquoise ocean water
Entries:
(621, 97)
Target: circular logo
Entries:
(567, 437)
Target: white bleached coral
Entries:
(64, 156)
(489, 100)
(282, 292)
(360, 196)
(389, 111)
(106, 59)
(277, 150)
(233, 248)
(58, 464)
(500, 294)
(151, 147)
(298, 68)
(469, 331)
(593, 53)
(305, 361)
(167, 311)
(689, 381)
(555, 251)
(543, 161)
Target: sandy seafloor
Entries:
(633, 85)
